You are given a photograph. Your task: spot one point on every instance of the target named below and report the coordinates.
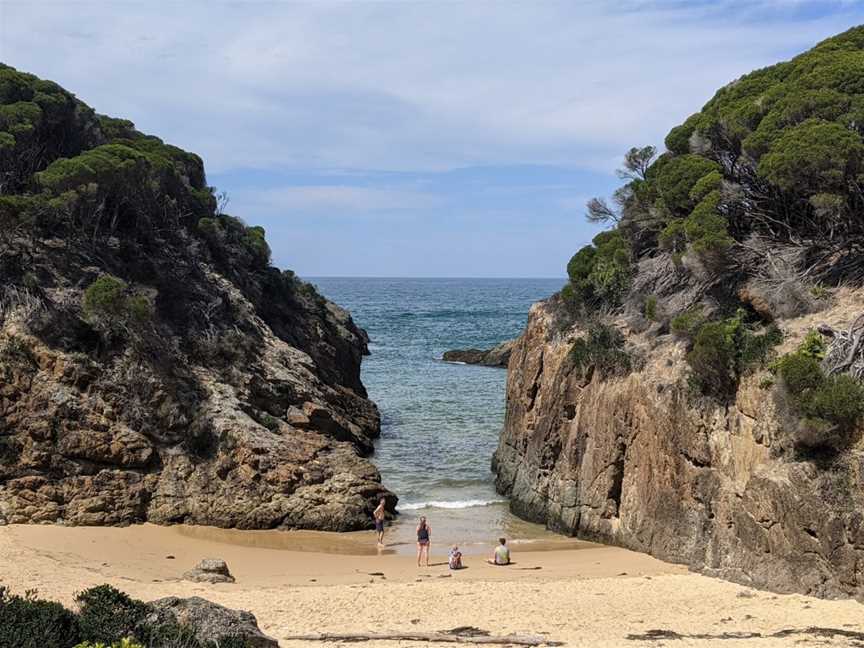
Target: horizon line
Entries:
(419, 277)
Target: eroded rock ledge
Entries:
(498, 356)
(638, 463)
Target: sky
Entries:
(436, 138)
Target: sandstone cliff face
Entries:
(638, 462)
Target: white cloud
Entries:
(420, 85)
(333, 199)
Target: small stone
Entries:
(210, 570)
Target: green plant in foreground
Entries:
(650, 307)
(106, 300)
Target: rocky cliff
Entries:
(696, 389)
(153, 365)
(640, 462)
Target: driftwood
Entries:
(456, 636)
(846, 351)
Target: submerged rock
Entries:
(498, 356)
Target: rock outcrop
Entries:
(497, 356)
(641, 463)
(153, 365)
(210, 570)
(210, 622)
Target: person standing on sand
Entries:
(424, 536)
(378, 514)
(501, 554)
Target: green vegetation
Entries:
(725, 350)
(107, 301)
(107, 618)
(688, 322)
(73, 173)
(601, 351)
(831, 407)
(229, 238)
(649, 307)
(777, 153)
(600, 273)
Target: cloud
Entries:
(403, 85)
(334, 199)
(423, 127)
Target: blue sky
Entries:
(411, 138)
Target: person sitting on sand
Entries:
(501, 554)
(378, 514)
(424, 534)
(455, 559)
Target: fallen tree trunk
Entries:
(437, 637)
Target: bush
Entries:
(107, 301)
(687, 323)
(723, 351)
(27, 622)
(601, 351)
(107, 614)
(601, 272)
(830, 406)
(649, 308)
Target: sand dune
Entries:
(298, 583)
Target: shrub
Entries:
(723, 351)
(601, 351)
(830, 406)
(27, 622)
(107, 614)
(106, 301)
(600, 273)
(105, 297)
(687, 323)
(649, 308)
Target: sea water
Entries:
(440, 421)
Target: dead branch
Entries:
(436, 637)
(845, 351)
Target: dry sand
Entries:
(298, 582)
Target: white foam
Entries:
(449, 505)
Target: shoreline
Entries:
(595, 595)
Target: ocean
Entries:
(440, 421)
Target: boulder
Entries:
(210, 622)
(210, 570)
(498, 356)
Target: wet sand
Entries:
(306, 582)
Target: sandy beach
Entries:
(305, 582)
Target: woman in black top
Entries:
(424, 533)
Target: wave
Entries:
(450, 505)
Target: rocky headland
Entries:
(155, 366)
(695, 390)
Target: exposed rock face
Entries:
(638, 462)
(498, 356)
(210, 388)
(211, 622)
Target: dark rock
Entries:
(498, 356)
(210, 622)
(210, 570)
